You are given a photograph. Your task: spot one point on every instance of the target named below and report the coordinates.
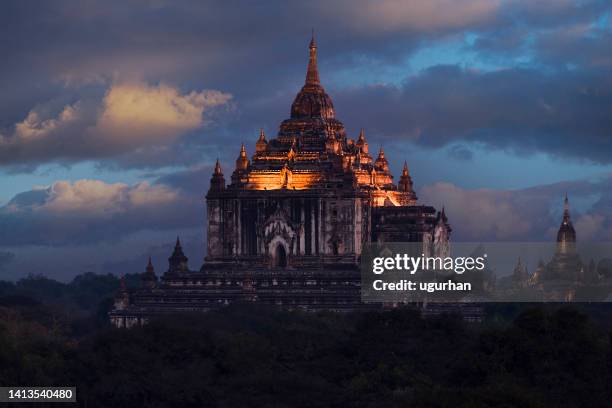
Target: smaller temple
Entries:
(565, 277)
(178, 261)
(566, 264)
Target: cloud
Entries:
(429, 15)
(564, 114)
(136, 114)
(87, 211)
(556, 74)
(524, 77)
(530, 214)
(34, 127)
(592, 226)
(459, 152)
(6, 258)
(578, 45)
(481, 214)
(130, 117)
(193, 180)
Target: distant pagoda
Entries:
(565, 277)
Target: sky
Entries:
(112, 114)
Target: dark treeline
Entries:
(79, 306)
(255, 356)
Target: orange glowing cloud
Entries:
(129, 117)
(134, 113)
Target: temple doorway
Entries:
(280, 257)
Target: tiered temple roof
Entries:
(312, 151)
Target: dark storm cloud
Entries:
(225, 45)
(256, 53)
(565, 113)
(194, 180)
(578, 46)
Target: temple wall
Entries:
(311, 226)
(214, 234)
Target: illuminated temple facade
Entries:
(288, 225)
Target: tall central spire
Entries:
(312, 75)
(566, 213)
(566, 234)
(312, 101)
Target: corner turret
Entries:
(262, 143)
(217, 182)
(362, 143)
(177, 262)
(405, 182)
(381, 162)
(405, 186)
(242, 162)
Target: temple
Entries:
(289, 227)
(565, 277)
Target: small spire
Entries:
(178, 261)
(261, 144)
(217, 182)
(150, 270)
(566, 210)
(312, 74)
(443, 217)
(405, 171)
(242, 162)
(218, 167)
(381, 153)
(149, 279)
(566, 236)
(361, 141)
(405, 182)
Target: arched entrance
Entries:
(280, 256)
